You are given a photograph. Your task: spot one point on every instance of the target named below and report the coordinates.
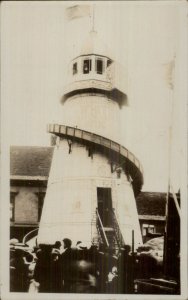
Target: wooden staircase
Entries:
(110, 237)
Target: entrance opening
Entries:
(104, 199)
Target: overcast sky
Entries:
(37, 44)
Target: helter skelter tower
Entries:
(93, 179)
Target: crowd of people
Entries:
(78, 269)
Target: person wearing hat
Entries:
(67, 261)
(55, 268)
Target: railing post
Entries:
(102, 228)
(117, 229)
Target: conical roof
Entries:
(94, 45)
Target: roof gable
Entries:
(30, 160)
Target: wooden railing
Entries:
(117, 230)
(127, 158)
(119, 240)
(100, 228)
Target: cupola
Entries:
(93, 69)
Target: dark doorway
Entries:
(104, 199)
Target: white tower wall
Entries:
(126, 212)
(71, 199)
(94, 113)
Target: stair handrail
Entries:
(117, 229)
(102, 227)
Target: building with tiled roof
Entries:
(151, 210)
(151, 204)
(30, 162)
(29, 171)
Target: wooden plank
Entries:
(63, 129)
(70, 131)
(56, 128)
(86, 136)
(105, 142)
(51, 128)
(96, 138)
(131, 157)
(123, 151)
(115, 146)
(78, 133)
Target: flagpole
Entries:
(168, 192)
(93, 17)
(170, 83)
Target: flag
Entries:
(170, 74)
(78, 11)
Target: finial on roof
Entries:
(93, 18)
(94, 45)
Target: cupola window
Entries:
(99, 65)
(86, 66)
(75, 69)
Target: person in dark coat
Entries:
(42, 273)
(147, 265)
(19, 279)
(106, 261)
(55, 272)
(126, 267)
(56, 247)
(67, 265)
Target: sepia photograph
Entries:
(94, 150)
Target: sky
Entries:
(145, 37)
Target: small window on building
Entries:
(99, 66)
(151, 229)
(146, 228)
(75, 69)
(87, 66)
